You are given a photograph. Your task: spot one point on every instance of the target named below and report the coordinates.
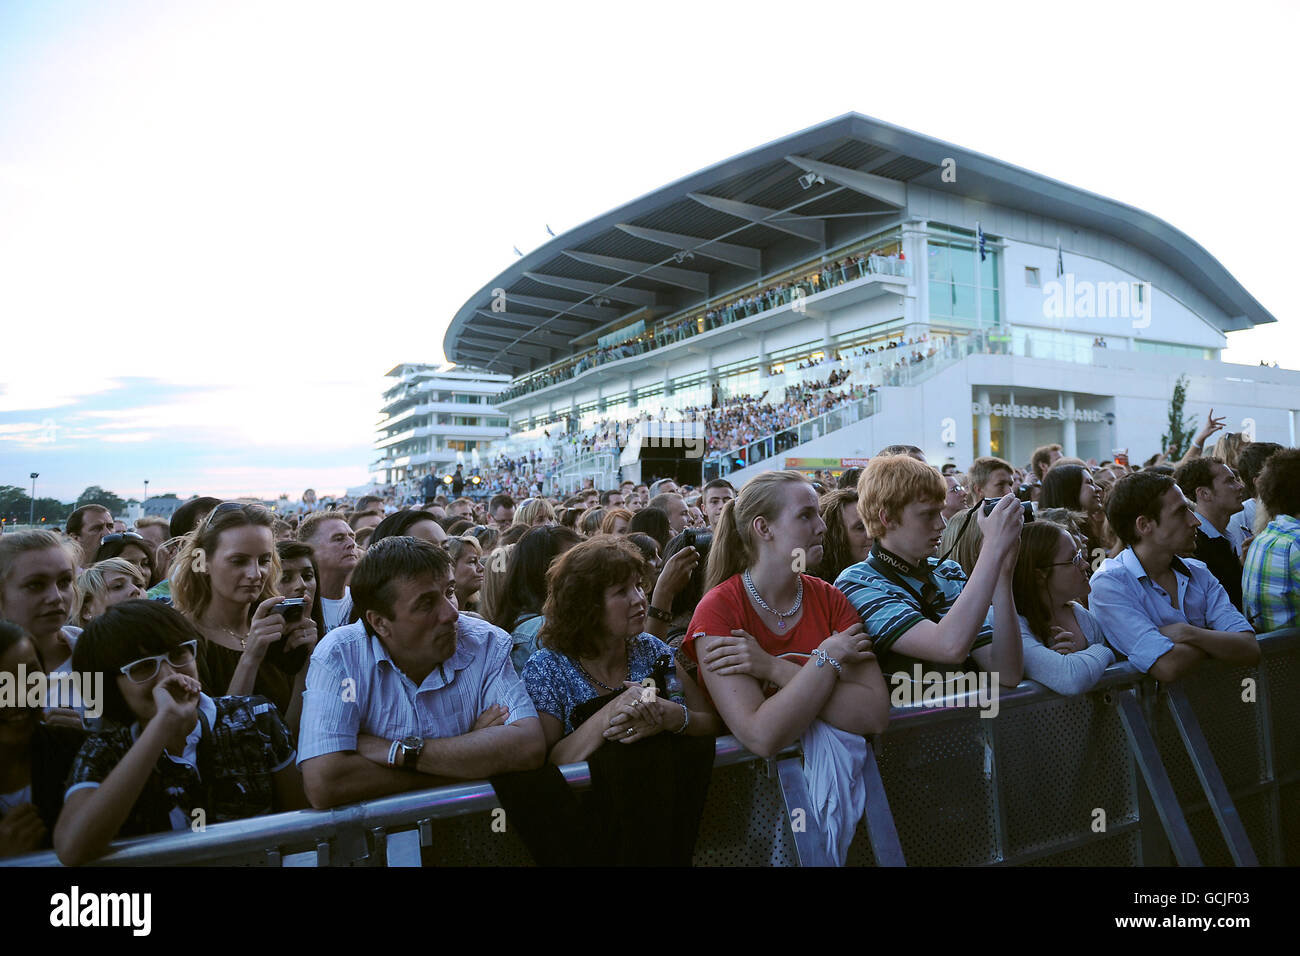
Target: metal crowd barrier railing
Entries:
(1203, 771)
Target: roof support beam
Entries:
(685, 278)
(510, 347)
(536, 321)
(578, 310)
(541, 337)
(485, 359)
(737, 255)
(889, 191)
(805, 227)
(619, 293)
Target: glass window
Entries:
(941, 296)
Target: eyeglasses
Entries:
(225, 506)
(1079, 560)
(145, 669)
(120, 536)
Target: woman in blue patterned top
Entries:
(649, 748)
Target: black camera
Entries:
(291, 609)
(991, 503)
(695, 538)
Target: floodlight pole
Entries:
(31, 514)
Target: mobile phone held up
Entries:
(991, 503)
(291, 609)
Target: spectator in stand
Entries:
(1165, 613)
(1071, 487)
(299, 579)
(1064, 644)
(955, 502)
(360, 520)
(654, 522)
(918, 610)
(716, 494)
(758, 626)
(911, 451)
(673, 506)
(87, 526)
(846, 541)
(131, 546)
(225, 584)
(38, 592)
(155, 531)
(519, 607)
(1271, 581)
(35, 756)
(104, 584)
(467, 571)
(616, 521)
(334, 545)
(1044, 457)
(586, 682)
(171, 749)
(535, 513)
(436, 696)
(417, 524)
(1250, 462)
(1215, 493)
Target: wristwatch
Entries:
(657, 614)
(405, 753)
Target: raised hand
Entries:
(176, 698)
(267, 627)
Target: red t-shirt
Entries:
(727, 607)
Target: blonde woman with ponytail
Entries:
(782, 654)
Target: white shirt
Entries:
(337, 612)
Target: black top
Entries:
(1221, 558)
(53, 750)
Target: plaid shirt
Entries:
(1271, 579)
(248, 743)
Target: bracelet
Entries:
(686, 718)
(657, 614)
(392, 753)
(823, 659)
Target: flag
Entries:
(979, 234)
(517, 252)
(1060, 262)
(548, 229)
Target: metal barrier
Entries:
(1131, 773)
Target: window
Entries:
(1031, 278)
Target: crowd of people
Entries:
(828, 275)
(253, 663)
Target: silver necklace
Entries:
(780, 618)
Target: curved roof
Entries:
(748, 216)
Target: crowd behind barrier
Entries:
(608, 638)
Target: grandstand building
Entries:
(985, 309)
(435, 417)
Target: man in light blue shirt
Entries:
(412, 694)
(1164, 612)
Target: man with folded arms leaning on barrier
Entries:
(1165, 613)
(412, 694)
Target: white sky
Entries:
(251, 211)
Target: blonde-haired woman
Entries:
(224, 580)
(467, 571)
(535, 512)
(782, 654)
(104, 584)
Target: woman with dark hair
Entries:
(172, 755)
(34, 757)
(131, 546)
(300, 578)
(417, 524)
(587, 682)
(650, 551)
(519, 608)
(225, 582)
(653, 522)
(1064, 645)
(845, 541)
(1072, 487)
